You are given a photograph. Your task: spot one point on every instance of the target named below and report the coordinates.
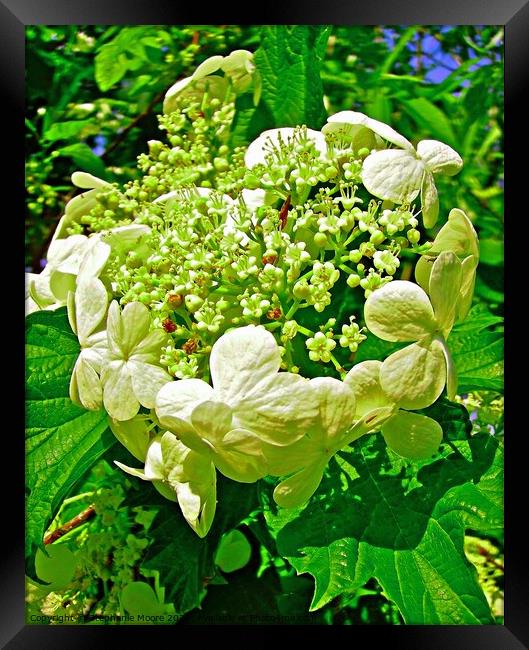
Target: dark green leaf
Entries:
(431, 119)
(84, 158)
(62, 439)
(370, 519)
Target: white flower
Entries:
(410, 435)
(269, 140)
(69, 261)
(81, 204)
(179, 473)
(354, 131)
(250, 402)
(332, 430)
(457, 235)
(132, 375)
(399, 175)
(86, 313)
(238, 68)
(415, 376)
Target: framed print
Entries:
(264, 321)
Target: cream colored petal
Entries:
(197, 494)
(93, 260)
(451, 373)
(115, 331)
(285, 460)
(423, 269)
(90, 307)
(75, 209)
(279, 410)
(38, 286)
(169, 103)
(414, 377)
(148, 350)
(439, 157)
(87, 182)
(136, 320)
(176, 401)
(133, 435)
(298, 489)
(364, 380)
(118, 395)
(65, 254)
(209, 66)
(352, 137)
(369, 422)
(412, 435)
(337, 405)
(133, 471)
(239, 456)
(457, 235)
(89, 388)
(468, 281)
(212, 420)
(381, 129)
(393, 175)
(60, 285)
(445, 285)
(399, 311)
(240, 359)
(147, 380)
(429, 201)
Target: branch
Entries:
(78, 520)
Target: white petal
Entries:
(87, 182)
(240, 359)
(258, 149)
(412, 435)
(337, 405)
(415, 376)
(468, 280)
(147, 380)
(212, 420)
(298, 489)
(209, 66)
(369, 422)
(197, 494)
(90, 307)
(94, 259)
(176, 401)
(381, 129)
(393, 175)
(136, 321)
(451, 373)
(60, 285)
(279, 410)
(133, 435)
(399, 311)
(457, 235)
(65, 254)
(139, 473)
(439, 157)
(429, 201)
(285, 460)
(118, 396)
(364, 379)
(445, 285)
(88, 385)
(239, 456)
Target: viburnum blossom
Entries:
(182, 475)
(250, 402)
(415, 376)
(86, 312)
(132, 374)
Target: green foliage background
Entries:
(92, 96)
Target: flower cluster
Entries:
(208, 295)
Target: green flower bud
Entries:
(193, 303)
(320, 239)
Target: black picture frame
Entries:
(514, 15)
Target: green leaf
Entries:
(405, 528)
(84, 158)
(289, 61)
(62, 439)
(478, 352)
(116, 57)
(431, 119)
(65, 130)
(185, 562)
(234, 552)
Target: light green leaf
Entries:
(62, 439)
(65, 130)
(234, 552)
(430, 118)
(84, 158)
(368, 519)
